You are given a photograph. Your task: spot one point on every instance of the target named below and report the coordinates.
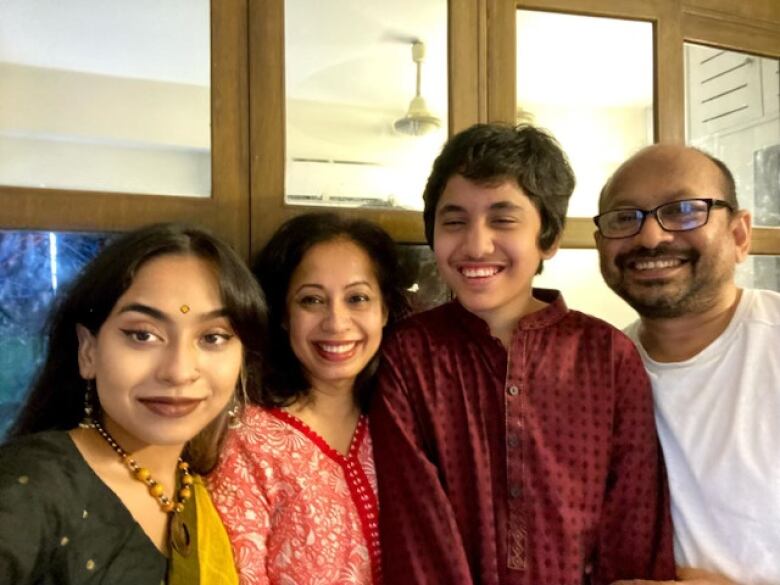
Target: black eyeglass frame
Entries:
(645, 213)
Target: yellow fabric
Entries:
(211, 562)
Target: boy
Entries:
(514, 439)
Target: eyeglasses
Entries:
(676, 216)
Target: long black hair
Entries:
(56, 397)
(284, 380)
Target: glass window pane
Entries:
(427, 289)
(733, 112)
(106, 96)
(577, 275)
(759, 272)
(33, 267)
(589, 81)
(362, 127)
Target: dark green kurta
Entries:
(60, 524)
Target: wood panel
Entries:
(579, 233)
(765, 241)
(751, 37)
(467, 69)
(669, 87)
(755, 12)
(224, 212)
(502, 61)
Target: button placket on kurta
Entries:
(514, 410)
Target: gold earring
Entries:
(88, 422)
(240, 400)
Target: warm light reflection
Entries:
(353, 69)
(590, 82)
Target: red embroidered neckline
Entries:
(360, 489)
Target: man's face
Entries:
(665, 274)
(486, 247)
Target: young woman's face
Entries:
(335, 313)
(166, 360)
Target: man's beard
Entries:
(667, 298)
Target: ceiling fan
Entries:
(419, 120)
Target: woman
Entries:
(147, 352)
(295, 485)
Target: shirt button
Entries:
(513, 441)
(513, 390)
(515, 491)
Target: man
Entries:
(670, 233)
(514, 439)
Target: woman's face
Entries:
(166, 360)
(335, 313)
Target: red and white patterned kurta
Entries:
(297, 511)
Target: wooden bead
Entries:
(143, 474)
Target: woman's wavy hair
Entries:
(284, 379)
(56, 397)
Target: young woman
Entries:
(295, 485)
(147, 352)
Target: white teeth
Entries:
(657, 264)
(479, 272)
(340, 348)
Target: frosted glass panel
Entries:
(426, 288)
(760, 272)
(733, 112)
(589, 81)
(363, 125)
(106, 96)
(34, 266)
(577, 275)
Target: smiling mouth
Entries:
(655, 264)
(171, 407)
(336, 352)
(480, 271)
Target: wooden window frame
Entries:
(225, 212)
(750, 27)
(248, 109)
(467, 94)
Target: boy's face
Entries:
(485, 241)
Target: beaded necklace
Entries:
(143, 474)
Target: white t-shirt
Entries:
(718, 418)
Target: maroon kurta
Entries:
(537, 466)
